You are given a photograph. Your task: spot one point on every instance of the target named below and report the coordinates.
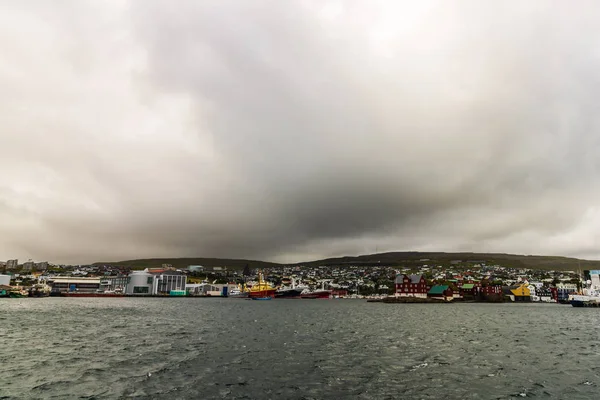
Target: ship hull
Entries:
(288, 294)
(583, 303)
(577, 303)
(238, 296)
(321, 294)
(88, 294)
(261, 293)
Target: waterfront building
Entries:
(169, 281)
(595, 278)
(564, 290)
(440, 292)
(411, 286)
(545, 295)
(520, 293)
(140, 283)
(5, 280)
(68, 284)
(113, 284)
(468, 290)
(203, 289)
(211, 289)
(155, 282)
(490, 290)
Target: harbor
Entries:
(424, 284)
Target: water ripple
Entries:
(224, 348)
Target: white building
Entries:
(146, 283)
(595, 277)
(5, 280)
(64, 284)
(140, 282)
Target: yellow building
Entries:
(521, 293)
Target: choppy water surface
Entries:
(295, 349)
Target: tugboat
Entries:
(261, 290)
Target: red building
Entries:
(491, 289)
(411, 286)
(468, 290)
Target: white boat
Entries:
(588, 298)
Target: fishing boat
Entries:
(289, 289)
(39, 290)
(261, 289)
(317, 294)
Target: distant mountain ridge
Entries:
(407, 258)
(185, 262)
(441, 258)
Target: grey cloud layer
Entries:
(293, 130)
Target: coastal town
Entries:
(459, 281)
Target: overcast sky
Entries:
(294, 130)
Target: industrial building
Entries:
(210, 289)
(67, 284)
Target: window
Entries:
(150, 279)
(140, 289)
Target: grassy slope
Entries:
(392, 259)
(508, 260)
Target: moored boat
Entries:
(584, 300)
(238, 293)
(317, 294)
(39, 290)
(289, 290)
(17, 292)
(261, 289)
(5, 290)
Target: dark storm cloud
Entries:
(293, 130)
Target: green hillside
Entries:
(409, 259)
(446, 259)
